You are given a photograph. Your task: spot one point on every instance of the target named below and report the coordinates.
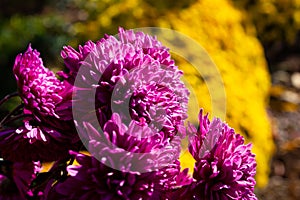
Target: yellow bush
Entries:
(275, 20)
(217, 26)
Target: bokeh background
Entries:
(254, 43)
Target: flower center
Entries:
(155, 105)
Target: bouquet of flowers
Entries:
(112, 125)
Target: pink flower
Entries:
(94, 180)
(48, 131)
(133, 73)
(225, 166)
(42, 93)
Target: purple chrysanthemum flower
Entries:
(15, 179)
(35, 143)
(225, 166)
(94, 180)
(125, 165)
(48, 131)
(133, 72)
(43, 94)
(73, 59)
(135, 148)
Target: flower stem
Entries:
(13, 119)
(7, 97)
(11, 113)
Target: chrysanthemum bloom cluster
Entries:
(129, 107)
(130, 71)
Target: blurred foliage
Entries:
(226, 32)
(275, 20)
(45, 30)
(277, 23)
